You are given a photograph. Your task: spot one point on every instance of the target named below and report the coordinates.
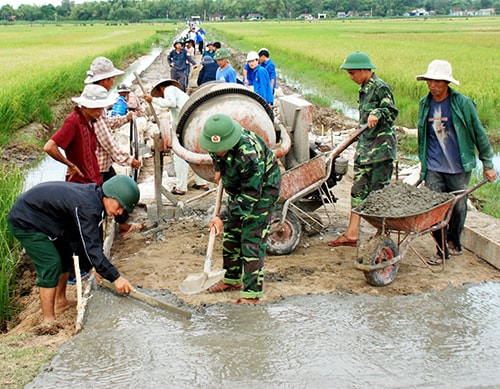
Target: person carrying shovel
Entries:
(251, 177)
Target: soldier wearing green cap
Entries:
(225, 72)
(251, 177)
(376, 148)
(54, 220)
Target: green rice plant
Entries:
(61, 55)
(487, 197)
(11, 183)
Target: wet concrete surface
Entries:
(433, 340)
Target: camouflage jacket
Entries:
(249, 171)
(378, 143)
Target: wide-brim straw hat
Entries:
(101, 68)
(95, 96)
(438, 70)
(155, 90)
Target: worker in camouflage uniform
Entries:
(251, 177)
(377, 146)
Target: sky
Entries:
(17, 3)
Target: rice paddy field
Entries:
(43, 63)
(312, 52)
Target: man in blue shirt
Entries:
(225, 72)
(268, 64)
(261, 82)
(449, 131)
(177, 59)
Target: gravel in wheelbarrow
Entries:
(404, 207)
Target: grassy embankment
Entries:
(42, 64)
(310, 54)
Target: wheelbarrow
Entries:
(381, 256)
(312, 176)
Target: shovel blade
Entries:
(199, 282)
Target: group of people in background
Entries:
(259, 71)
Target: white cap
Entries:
(252, 55)
(438, 70)
(94, 96)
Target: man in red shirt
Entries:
(78, 139)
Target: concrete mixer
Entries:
(234, 100)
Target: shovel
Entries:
(199, 282)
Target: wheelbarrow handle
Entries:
(462, 194)
(345, 144)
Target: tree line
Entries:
(136, 11)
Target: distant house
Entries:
(215, 17)
(305, 17)
(321, 16)
(419, 12)
(341, 14)
(486, 12)
(255, 16)
(457, 12)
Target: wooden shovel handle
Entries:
(211, 237)
(139, 81)
(218, 198)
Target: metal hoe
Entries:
(199, 282)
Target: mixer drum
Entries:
(234, 100)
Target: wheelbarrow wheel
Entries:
(283, 239)
(379, 250)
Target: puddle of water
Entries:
(138, 66)
(435, 340)
(47, 170)
(348, 111)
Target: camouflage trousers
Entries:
(368, 178)
(244, 247)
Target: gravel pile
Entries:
(401, 200)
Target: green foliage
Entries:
(118, 10)
(487, 197)
(407, 145)
(11, 182)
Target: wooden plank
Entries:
(135, 294)
(481, 237)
